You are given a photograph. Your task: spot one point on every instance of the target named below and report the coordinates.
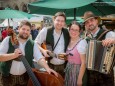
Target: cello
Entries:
(37, 78)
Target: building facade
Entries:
(16, 4)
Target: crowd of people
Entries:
(58, 40)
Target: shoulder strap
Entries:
(50, 38)
(102, 34)
(57, 41)
(75, 44)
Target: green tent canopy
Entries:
(110, 2)
(50, 7)
(70, 7)
(62, 4)
(10, 13)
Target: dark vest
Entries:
(101, 31)
(50, 37)
(5, 66)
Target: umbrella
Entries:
(50, 7)
(10, 13)
(111, 2)
(70, 7)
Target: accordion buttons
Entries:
(107, 49)
(103, 67)
(105, 70)
(111, 45)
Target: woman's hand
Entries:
(79, 82)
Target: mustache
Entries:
(92, 27)
(23, 37)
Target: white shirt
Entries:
(109, 34)
(59, 47)
(82, 46)
(17, 68)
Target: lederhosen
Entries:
(8, 79)
(50, 40)
(96, 78)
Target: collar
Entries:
(25, 41)
(95, 34)
(56, 33)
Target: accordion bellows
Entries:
(100, 58)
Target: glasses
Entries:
(74, 30)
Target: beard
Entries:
(92, 27)
(23, 37)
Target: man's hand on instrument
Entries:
(45, 53)
(17, 52)
(49, 70)
(43, 63)
(63, 56)
(108, 41)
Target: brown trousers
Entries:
(58, 68)
(14, 80)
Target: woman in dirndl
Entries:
(75, 71)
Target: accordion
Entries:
(100, 58)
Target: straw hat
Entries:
(88, 15)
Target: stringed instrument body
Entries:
(46, 79)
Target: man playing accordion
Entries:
(91, 22)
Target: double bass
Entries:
(46, 79)
(37, 78)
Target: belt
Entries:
(19, 75)
(14, 75)
(57, 64)
(17, 59)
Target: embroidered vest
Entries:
(5, 66)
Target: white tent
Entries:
(5, 23)
(15, 22)
(11, 23)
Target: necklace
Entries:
(73, 45)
